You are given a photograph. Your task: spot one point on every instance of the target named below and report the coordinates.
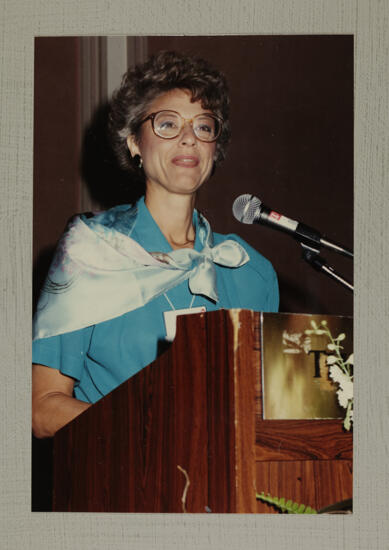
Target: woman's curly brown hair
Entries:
(163, 72)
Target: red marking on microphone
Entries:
(274, 215)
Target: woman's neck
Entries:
(174, 216)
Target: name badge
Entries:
(170, 318)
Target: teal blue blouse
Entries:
(102, 356)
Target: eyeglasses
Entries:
(168, 125)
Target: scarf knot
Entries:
(200, 267)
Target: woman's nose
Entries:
(187, 136)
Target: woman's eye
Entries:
(205, 128)
(167, 125)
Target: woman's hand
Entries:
(53, 404)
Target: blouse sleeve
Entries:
(65, 352)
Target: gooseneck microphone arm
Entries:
(314, 259)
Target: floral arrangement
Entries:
(340, 370)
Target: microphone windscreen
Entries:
(245, 208)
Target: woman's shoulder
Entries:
(120, 218)
(108, 217)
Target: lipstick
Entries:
(188, 161)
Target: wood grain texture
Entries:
(194, 407)
(302, 439)
(294, 480)
(135, 439)
(291, 480)
(244, 350)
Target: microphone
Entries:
(250, 209)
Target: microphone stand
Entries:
(312, 256)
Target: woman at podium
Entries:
(120, 277)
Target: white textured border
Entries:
(369, 21)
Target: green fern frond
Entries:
(289, 506)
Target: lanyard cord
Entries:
(171, 304)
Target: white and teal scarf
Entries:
(99, 273)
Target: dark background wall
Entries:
(56, 194)
(292, 146)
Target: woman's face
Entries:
(182, 164)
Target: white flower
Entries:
(350, 359)
(346, 389)
(335, 372)
(342, 398)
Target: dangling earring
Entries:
(140, 163)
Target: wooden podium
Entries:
(195, 415)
